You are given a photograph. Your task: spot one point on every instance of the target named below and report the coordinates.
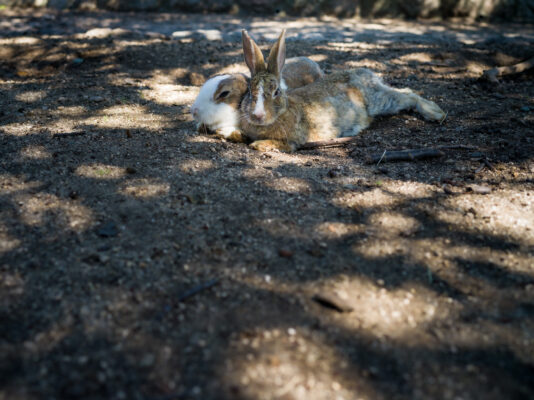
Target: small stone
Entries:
(383, 170)
(285, 253)
(108, 229)
(315, 252)
(332, 300)
(448, 189)
(479, 189)
(96, 99)
(148, 360)
(333, 173)
(82, 360)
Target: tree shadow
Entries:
(91, 315)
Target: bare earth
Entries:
(115, 216)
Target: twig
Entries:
(480, 169)
(485, 163)
(379, 161)
(488, 164)
(68, 134)
(405, 155)
(457, 147)
(444, 118)
(172, 396)
(337, 142)
(492, 74)
(198, 289)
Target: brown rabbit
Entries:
(341, 104)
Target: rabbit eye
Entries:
(224, 94)
(276, 93)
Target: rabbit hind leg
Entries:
(388, 100)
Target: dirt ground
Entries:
(142, 260)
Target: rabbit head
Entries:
(266, 99)
(217, 104)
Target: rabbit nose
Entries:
(259, 114)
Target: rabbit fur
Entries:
(343, 103)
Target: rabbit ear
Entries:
(277, 56)
(253, 54)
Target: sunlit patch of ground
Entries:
(288, 363)
(66, 213)
(145, 188)
(101, 171)
(506, 214)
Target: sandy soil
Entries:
(116, 216)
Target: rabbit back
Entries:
(300, 71)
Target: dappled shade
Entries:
(140, 259)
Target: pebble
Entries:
(107, 230)
(333, 173)
(479, 189)
(448, 189)
(383, 170)
(285, 253)
(148, 360)
(332, 300)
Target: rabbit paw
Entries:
(270, 145)
(236, 137)
(431, 111)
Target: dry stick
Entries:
(337, 142)
(479, 169)
(457, 147)
(343, 141)
(198, 289)
(68, 134)
(416, 154)
(381, 157)
(488, 164)
(405, 155)
(492, 74)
